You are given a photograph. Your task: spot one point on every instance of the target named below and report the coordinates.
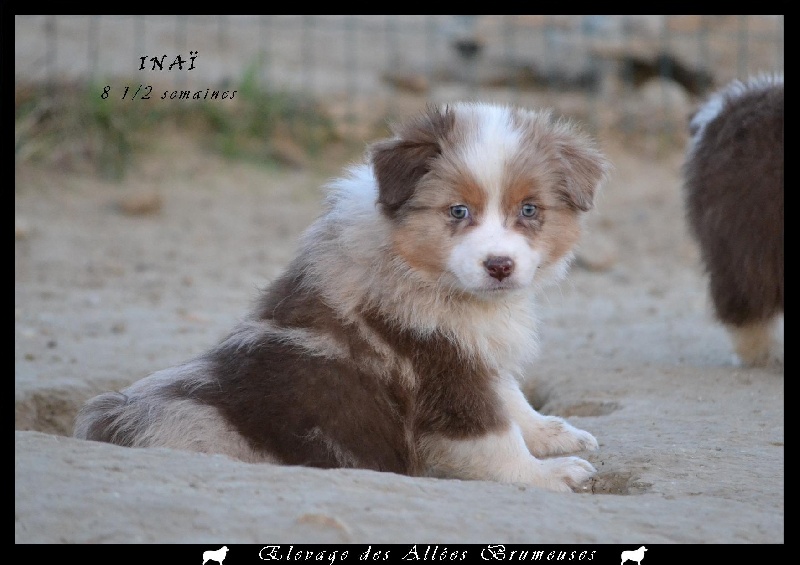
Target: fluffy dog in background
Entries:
(398, 337)
(734, 206)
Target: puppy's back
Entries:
(734, 203)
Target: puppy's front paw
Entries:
(565, 474)
(551, 435)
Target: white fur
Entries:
(350, 244)
(544, 435)
(712, 107)
(181, 423)
(492, 238)
(503, 457)
(252, 333)
(753, 343)
(494, 139)
(348, 257)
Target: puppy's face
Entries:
(486, 199)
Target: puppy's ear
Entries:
(399, 163)
(584, 169)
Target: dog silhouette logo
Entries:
(218, 555)
(636, 555)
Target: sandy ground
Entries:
(691, 446)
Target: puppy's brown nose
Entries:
(499, 267)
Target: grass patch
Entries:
(73, 127)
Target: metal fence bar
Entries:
(553, 60)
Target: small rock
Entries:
(288, 152)
(141, 204)
(22, 228)
(409, 81)
(596, 254)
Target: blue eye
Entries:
(528, 210)
(459, 211)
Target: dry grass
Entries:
(73, 128)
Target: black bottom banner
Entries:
(312, 554)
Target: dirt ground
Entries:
(115, 280)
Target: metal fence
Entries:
(618, 72)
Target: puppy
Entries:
(733, 188)
(397, 338)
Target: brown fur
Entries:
(367, 357)
(404, 160)
(734, 205)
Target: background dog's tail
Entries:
(98, 419)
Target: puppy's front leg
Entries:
(544, 435)
(503, 457)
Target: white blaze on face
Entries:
(486, 154)
(492, 238)
(493, 142)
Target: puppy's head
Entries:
(486, 199)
